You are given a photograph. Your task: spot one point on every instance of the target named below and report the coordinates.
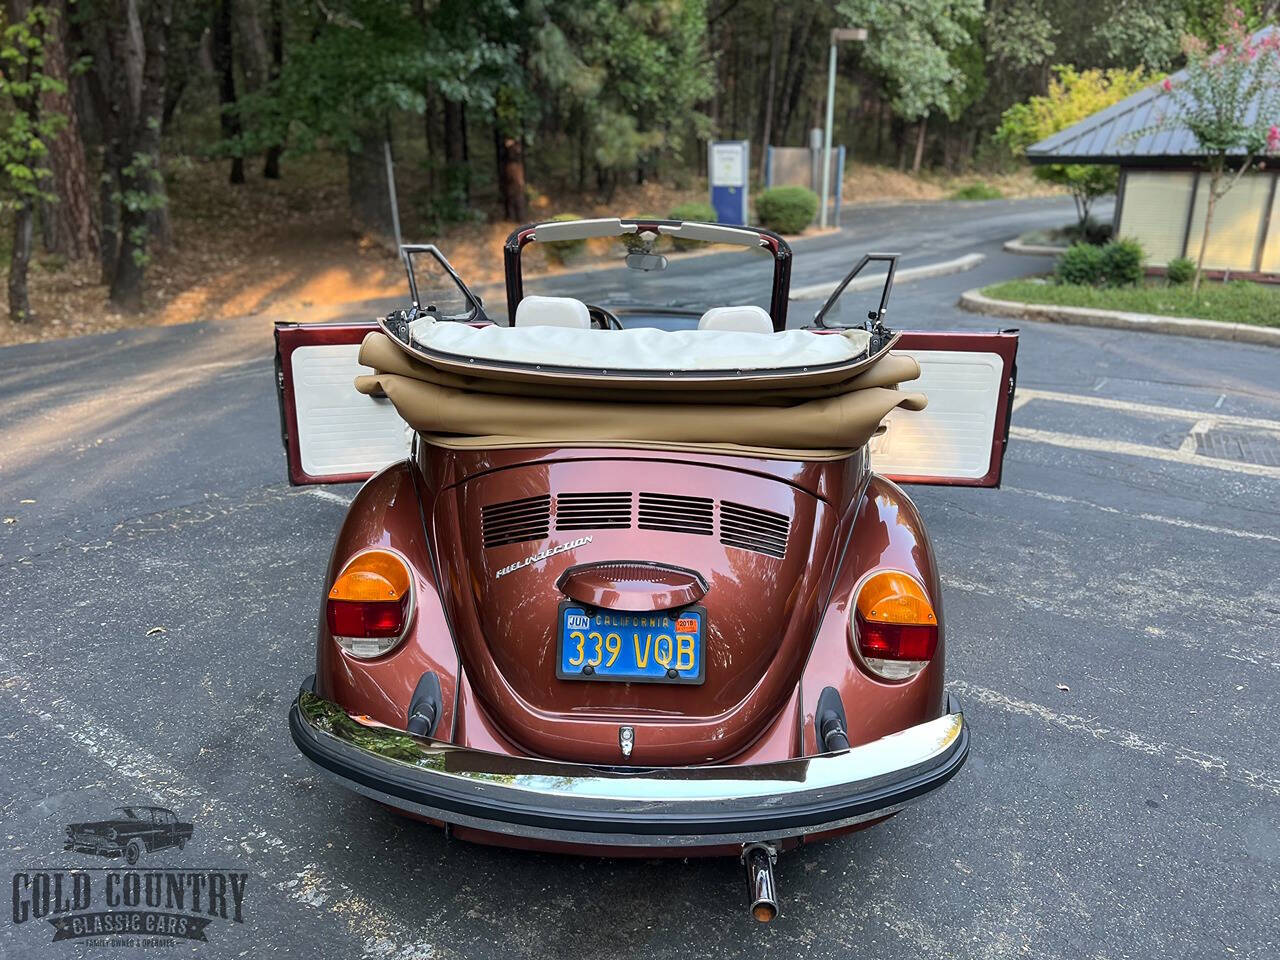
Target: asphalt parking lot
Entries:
(1113, 624)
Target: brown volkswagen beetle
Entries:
(637, 577)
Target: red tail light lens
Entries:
(370, 604)
(895, 627)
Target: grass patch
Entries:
(1240, 301)
(977, 191)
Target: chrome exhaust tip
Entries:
(762, 888)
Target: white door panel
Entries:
(953, 436)
(340, 431)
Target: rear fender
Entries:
(885, 531)
(387, 513)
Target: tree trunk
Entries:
(137, 113)
(921, 131)
(771, 89)
(511, 181)
(19, 261)
(271, 164)
(368, 191)
(1214, 179)
(224, 65)
(457, 177)
(109, 205)
(71, 219)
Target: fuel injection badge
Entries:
(541, 555)
(132, 906)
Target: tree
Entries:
(1229, 101)
(27, 131)
(916, 47)
(1073, 95)
(70, 230)
(224, 66)
(137, 34)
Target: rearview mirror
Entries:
(646, 261)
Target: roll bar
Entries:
(551, 231)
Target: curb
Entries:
(958, 265)
(974, 301)
(1032, 249)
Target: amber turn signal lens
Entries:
(369, 606)
(895, 627)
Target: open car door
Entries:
(331, 432)
(959, 439)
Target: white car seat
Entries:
(746, 319)
(553, 312)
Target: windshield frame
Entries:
(521, 237)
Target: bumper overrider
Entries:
(629, 806)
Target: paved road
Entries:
(1114, 632)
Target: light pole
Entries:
(838, 34)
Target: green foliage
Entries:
(977, 191)
(925, 51)
(1180, 270)
(25, 127)
(1072, 96)
(561, 251)
(1081, 264)
(1119, 263)
(787, 209)
(1239, 301)
(693, 210)
(1123, 263)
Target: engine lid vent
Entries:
(665, 511)
(516, 520)
(593, 511)
(752, 528)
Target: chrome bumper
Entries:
(625, 806)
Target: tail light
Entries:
(895, 629)
(370, 604)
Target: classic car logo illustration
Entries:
(541, 555)
(131, 831)
(123, 906)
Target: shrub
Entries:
(1123, 263)
(632, 241)
(1096, 232)
(787, 209)
(693, 210)
(1180, 270)
(559, 251)
(1080, 264)
(977, 191)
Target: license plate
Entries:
(630, 647)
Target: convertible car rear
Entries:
(636, 579)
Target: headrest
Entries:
(739, 319)
(553, 312)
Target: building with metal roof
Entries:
(1163, 191)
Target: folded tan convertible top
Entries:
(802, 414)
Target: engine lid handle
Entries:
(640, 585)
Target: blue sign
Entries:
(729, 172)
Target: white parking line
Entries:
(1124, 447)
(1153, 517)
(330, 496)
(1152, 409)
(1219, 766)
